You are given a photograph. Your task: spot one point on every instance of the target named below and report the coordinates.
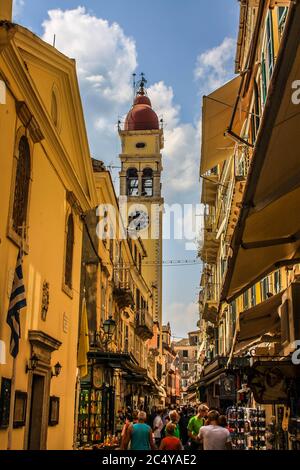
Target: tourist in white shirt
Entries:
(157, 427)
(213, 436)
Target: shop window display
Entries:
(248, 427)
(96, 413)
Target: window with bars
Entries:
(282, 16)
(246, 299)
(277, 281)
(268, 57)
(132, 182)
(20, 206)
(253, 296)
(147, 182)
(69, 252)
(264, 288)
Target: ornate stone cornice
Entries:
(7, 32)
(43, 340)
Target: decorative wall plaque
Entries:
(20, 409)
(5, 402)
(45, 300)
(97, 376)
(54, 411)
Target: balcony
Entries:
(236, 201)
(144, 325)
(210, 248)
(122, 291)
(210, 304)
(209, 189)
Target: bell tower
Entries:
(140, 183)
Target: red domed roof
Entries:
(141, 117)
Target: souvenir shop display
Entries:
(248, 427)
(256, 424)
(236, 422)
(89, 418)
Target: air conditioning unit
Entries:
(290, 317)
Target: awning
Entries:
(216, 115)
(258, 321)
(267, 235)
(134, 373)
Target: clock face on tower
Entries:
(138, 220)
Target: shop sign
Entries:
(227, 386)
(271, 381)
(97, 376)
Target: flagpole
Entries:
(12, 405)
(14, 367)
(77, 397)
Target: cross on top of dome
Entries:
(141, 116)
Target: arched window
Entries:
(147, 182)
(69, 252)
(132, 182)
(20, 206)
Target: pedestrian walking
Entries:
(194, 426)
(183, 425)
(139, 435)
(174, 418)
(163, 431)
(171, 442)
(214, 436)
(157, 427)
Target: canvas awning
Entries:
(256, 322)
(267, 235)
(216, 116)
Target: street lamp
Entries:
(104, 336)
(109, 327)
(33, 363)
(57, 370)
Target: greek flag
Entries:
(17, 301)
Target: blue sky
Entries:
(186, 49)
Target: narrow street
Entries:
(149, 229)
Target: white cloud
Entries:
(18, 6)
(183, 318)
(106, 59)
(162, 97)
(103, 52)
(181, 154)
(215, 66)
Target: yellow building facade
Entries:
(46, 183)
(92, 288)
